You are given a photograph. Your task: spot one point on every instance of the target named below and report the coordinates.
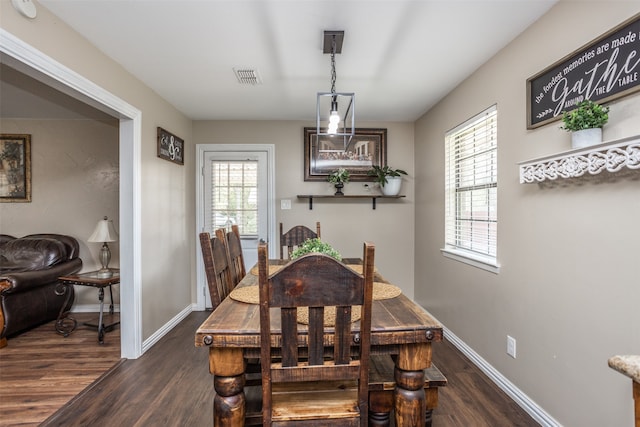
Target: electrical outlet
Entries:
(511, 346)
(285, 204)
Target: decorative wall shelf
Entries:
(373, 197)
(610, 156)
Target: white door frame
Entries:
(36, 64)
(201, 282)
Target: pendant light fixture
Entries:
(335, 111)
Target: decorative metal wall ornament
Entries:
(335, 111)
(170, 147)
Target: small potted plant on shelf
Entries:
(389, 179)
(338, 178)
(585, 123)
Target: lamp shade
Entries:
(104, 232)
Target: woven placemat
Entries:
(358, 268)
(272, 269)
(381, 290)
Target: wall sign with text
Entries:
(170, 147)
(603, 70)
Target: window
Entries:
(234, 201)
(471, 191)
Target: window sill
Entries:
(479, 261)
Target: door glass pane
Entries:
(234, 198)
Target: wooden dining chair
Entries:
(236, 259)
(326, 386)
(216, 266)
(295, 237)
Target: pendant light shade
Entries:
(335, 111)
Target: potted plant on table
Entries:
(338, 178)
(315, 246)
(585, 123)
(389, 179)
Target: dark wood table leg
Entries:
(409, 397)
(229, 405)
(65, 324)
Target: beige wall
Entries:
(346, 224)
(167, 201)
(568, 288)
(75, 177)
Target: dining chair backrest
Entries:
(236, 259)
(216, 266)
(301, 287)
(295, 237)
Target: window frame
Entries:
(481, 259)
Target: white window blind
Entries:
(471, 187)
(234, 200)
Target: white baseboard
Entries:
(93, 308)
(529, 406)
(149, 342)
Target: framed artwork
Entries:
(602, 70)
(170, 147)
(15, 168)
(324, 154)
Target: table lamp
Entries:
(104, 232)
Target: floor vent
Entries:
(247, 76)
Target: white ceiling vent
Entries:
(248, 76)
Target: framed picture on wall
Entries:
(15, 168)
(170, 147)
(324, 154)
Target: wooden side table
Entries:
(67, 324)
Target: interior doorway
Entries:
(28, 60)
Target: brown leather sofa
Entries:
(29, 271)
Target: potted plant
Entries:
(585, 123)
(389, 179)
(315, 246)
(338, 178)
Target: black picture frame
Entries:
(324, 154)
(603, 70)
(15, 168)
(170, 147)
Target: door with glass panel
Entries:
(235, 192)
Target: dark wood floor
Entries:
(170, 386)
(41, 370)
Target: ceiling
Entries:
(400, 57)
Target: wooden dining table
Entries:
(399, 326)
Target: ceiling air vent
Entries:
(247, 76)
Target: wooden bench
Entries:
(381, 385)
